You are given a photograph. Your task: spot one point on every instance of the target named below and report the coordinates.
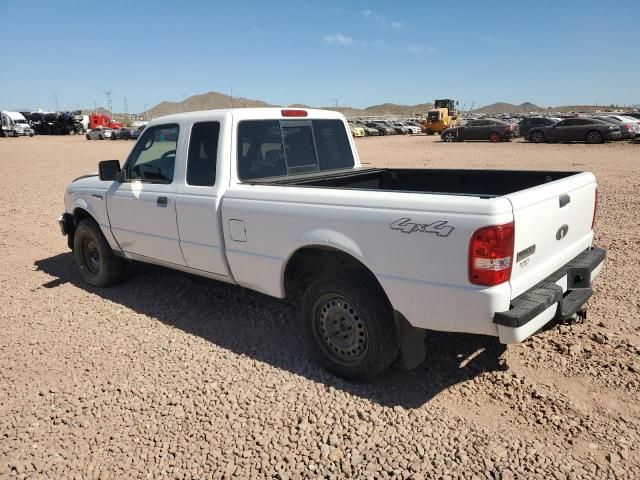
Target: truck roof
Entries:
(270, 113)
(13, 115)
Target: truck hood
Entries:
(90, 181)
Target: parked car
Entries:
(381, 255)
(99, 133)
(490, 129)
(121, 134)
(407, 129)
(356, 131)
(578, 129)
(136, 133)
(368, 131)
(399, 130)
(635, 115)
(527, 123)
(382, 129)
(629, 127)
(411, 128)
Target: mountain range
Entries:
(215, 100)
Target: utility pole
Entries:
(95, 107)
(334, 102)
(108, 94)
(146, 113)
(126, 109)
(55, 96)
(184, 102)
(231, 96)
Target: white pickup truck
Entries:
(275, 200)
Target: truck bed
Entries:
(476, 183)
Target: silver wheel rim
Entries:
(341, 329)
(448, 137)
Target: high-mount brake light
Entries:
(294, 113)
(491, 254)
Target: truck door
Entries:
(142, 209)
(198, 202)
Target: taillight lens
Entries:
(491, 255)
(595, 209)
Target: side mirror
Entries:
(109, 170)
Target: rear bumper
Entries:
(556, 298)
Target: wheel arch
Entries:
(316, 260)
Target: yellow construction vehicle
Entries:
(442, 116)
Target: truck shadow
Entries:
(269, 330)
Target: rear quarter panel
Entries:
(424, 273)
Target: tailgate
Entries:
(552, 226)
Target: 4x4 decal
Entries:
(439, 227)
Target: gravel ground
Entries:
(173, 376)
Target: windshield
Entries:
(272, 148)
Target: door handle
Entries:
(162, 201)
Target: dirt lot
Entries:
(173, 376)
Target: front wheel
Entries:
(94, 258)
(449, 137)
(350, 326)
(594, 137)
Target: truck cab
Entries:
(15, 124)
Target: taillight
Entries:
(293, 113)
(491, 254)
(595, 208)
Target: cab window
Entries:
(203, 154)
(154, 156)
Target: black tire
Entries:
(94, 258)
(100, 137)
(537, 136)
(449, 137)
(495, 137)
(593, 137)
(88, 137)
(429, 132)
(350, 326)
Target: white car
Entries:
(276, 200)
(99, 133)
(411, 129)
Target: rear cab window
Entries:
(272, 148)
(203, 154)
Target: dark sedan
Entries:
(121, 134)
(490, 129)
(383, 129)
(581, 129)
(136, 133)
(527, 124)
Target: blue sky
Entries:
(361, 52)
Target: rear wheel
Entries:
(94, 258)
(100, 137)
(537, 137)
(88, 137)
(494, 137)
(350, 326)
(594, 137)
